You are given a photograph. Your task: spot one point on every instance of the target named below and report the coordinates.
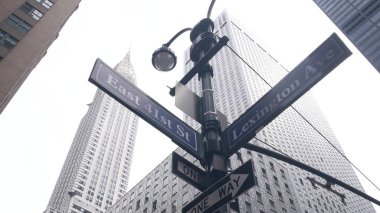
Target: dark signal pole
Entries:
(203, 40)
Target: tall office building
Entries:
(27, 29)
(359, 21)
(96, 171)
(300, 132)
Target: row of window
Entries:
(6, 39)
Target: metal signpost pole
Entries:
(214, 163)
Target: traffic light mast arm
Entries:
(310, 169)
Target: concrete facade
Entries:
(27, 29)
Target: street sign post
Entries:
(148, 109)
(309, 72)
(223, 191)
(189, 172)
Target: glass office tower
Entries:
(96, 171)
(359, 21)
(300, 132)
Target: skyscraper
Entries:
(358, 20)
(96, 171)
(300, 132)
(27, 29)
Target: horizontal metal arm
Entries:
(310, 169)
(176, 36)
(202, 62)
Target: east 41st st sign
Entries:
(142, 105)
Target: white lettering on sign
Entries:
(192, 174)
(264, 111)
(297, 82)
(113, 82)
(150, 109)
(228, 189)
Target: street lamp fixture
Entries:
(164, 59)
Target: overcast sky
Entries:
(39, 124)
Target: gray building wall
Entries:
(359, 21)
(161, 191)
(300, 132)
(27, 29)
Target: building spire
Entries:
(125, 68)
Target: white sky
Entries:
(39, 124)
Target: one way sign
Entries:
(225, 190)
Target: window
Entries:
(138, 205)
(280, 196)
(267, 186)
(287, 188)
(272, 206)
(157, 174)
(264, 172)
(155, 189)
(148, 182)
(174, 189)
(271, 166)
(174, 206)
(260, 158)
(259, 198)
(291, 203)
(46, 3)
(165, 181)
(154, 205)
(282, 173)
(164, 197)
(18, 23)
(301, 181)
(166, 167)
(275, 180)
(316, 208)
(31, 11)
(248, 208)
(7, 40)
(185, 197)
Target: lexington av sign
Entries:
(309, 72)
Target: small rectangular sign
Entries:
(188, 172)
(190, 103)
(148, 109)
(303, 77)
(223, 191)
